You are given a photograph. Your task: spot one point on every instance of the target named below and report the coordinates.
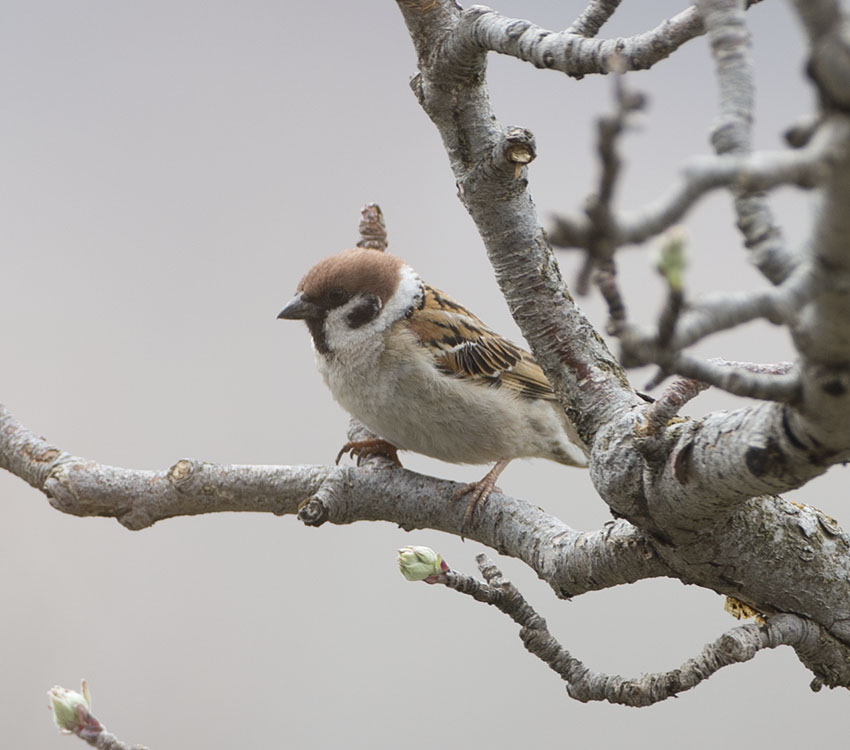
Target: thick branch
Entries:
(452, 90)
(826, 23)
(707, 471)
(822, 330)
(572, 562)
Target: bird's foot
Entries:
(360, 449)
(479, 492)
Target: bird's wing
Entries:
(463, 347)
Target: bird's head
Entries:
(353, 295)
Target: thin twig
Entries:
(658, 414)
(737, 645)
(764, 170)
(725, 22)
(573, 53)
(605, 278)
(719, 312)
(593, 17)
(765, 382)
(72, 715)
(600, 247)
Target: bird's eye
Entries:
(337, 296)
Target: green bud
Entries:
(420, 563)
(70, 708)
(670, 259)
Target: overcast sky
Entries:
(168, 171)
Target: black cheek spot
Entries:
(364, 311)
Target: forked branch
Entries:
(573, 51)
(827, 658)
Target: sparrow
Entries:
(424, 374)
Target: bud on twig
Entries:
(71, 710)
(671, 260)
(420, 564)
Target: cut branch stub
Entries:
(519, 148)
(373, 229)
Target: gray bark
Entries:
(696, 500)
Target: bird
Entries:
(424, 374)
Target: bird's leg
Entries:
(359, 449)
(479, 491)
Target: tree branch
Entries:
(572, 53)
(658, 414)
(765, 382)
(764, 170)
(822, 330)
(707, 471)
(826, 23)
(721, 311)
(572, 562)
(748, 380)
(732, 131)
(826, 657)
(600, 247)
(593, 17)
(452, 89)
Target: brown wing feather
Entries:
(464, 347)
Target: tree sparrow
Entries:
(423, 373)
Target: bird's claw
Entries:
(478, 492)
(360, 449)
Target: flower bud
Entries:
(420, 563)
(70, 708)
(671, 257)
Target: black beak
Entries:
(299, 309)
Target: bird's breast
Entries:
(400, 396)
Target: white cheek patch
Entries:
(409, 292)
(339, 334)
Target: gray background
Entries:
(169, 170)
